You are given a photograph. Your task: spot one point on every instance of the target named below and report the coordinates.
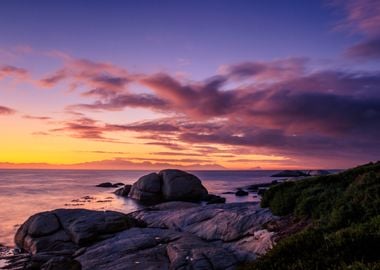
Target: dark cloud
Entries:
(281, 108)
(274, 70)
(12, 71)
(6, 110)
(54, 78)
(84, 128)
(122, 101)
(33, 117)
(361, 17)
(198, 99)
(369, 49)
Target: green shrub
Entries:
(345, 210)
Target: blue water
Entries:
(26, 192)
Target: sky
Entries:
(189, 84)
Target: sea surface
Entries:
(26, 192)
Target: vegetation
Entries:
(345, 213)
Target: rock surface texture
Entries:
(171, 235)
(69, 229)
(168, 185)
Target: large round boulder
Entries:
(180, 185)
(168, 185)
(147, 188)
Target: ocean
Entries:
(26, 192)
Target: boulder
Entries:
(118, 184)
(105, 185)
(212, 199)
(68, 229)
(123, 191)
(147, 188)
(180, 185)
(168, 185)
(109, 185)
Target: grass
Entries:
(345, 211)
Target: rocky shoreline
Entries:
(174, 231)
(172, 235)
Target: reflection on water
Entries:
(25, 192)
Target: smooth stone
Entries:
(123, 191)
(105, 185)
(78, 227)
(212, 199)
(180, 185)
(147, 188)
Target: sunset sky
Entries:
(189, 84)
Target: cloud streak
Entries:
(6, 110)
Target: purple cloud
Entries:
(6, 110)
(366, 50)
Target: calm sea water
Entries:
(26, 192)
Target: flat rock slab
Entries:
(226, 222)
(151, 248)
(172, 235)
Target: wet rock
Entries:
(105, 185)
(241, 192)
(212, 199)
(123, 191)
(118, 184)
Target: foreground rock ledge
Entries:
(173, 235)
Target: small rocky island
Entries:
(182, 227)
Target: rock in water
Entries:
(123, 191)
(213, 199)
(105, 185)
(147, 188)
(180, 185)
(168, 185)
